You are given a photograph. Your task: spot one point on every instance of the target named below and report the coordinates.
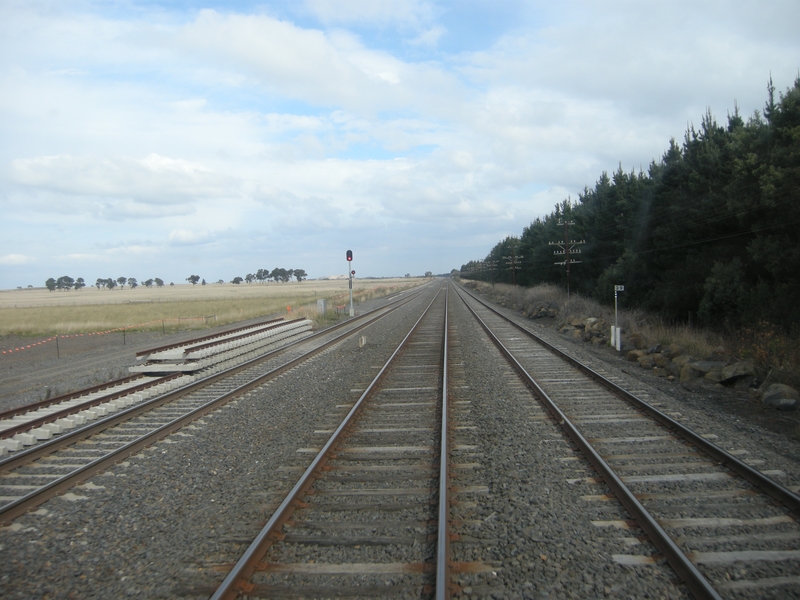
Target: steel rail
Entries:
(14, 509)
(767, 485)
(21, 410)
(443, 535)
(237, 579)
(685, 569)
(64, 412)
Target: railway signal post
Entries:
(350, 274)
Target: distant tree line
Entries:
(68, 283)
(711, 231)
(277, 275)
(262, 276)
(64, 283)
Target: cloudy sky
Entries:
(168, 138)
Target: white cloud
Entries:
(155, 179)
(428, 38)
(325, 69)
(381, 12)
(277, 55)
(134, 251)
(186, 237)
(79, 257)
(16, 259)
(652, 60)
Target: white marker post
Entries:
(616, 333)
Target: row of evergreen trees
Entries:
(712, 229)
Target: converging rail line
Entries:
(369, 515)
(703, 508)
(33, 475)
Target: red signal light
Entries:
(349, 255)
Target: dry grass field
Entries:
(39, 312)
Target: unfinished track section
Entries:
(172, 367)
(705, 510)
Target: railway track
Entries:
(706, 510)
(528, 514)
(369, 515)
(32, 476)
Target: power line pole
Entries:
(514, 264)
(491, 266)
(567, 248)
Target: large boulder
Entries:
(698, 368)
(683, 359)
(660, 360)
(714, 376)
(595, 325)
(706, 366)
(782, 397)
(786, 404)
(635, 355)
(744, 371)
(674, 369)
(676, 350)
(635, 341)
(646, 361)
(689, 372)
(541, 312)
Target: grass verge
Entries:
(763, 343)
(171, 314)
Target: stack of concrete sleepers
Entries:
(224, 351)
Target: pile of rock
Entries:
(549, 310)
(718, 369)
(588, 329)
(674, 363)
